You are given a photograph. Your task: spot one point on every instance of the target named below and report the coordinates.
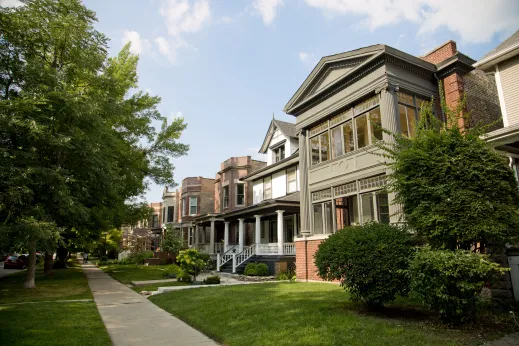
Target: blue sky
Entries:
(226, 66)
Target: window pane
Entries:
(192, 205)
(375, 121)
(368, 214)
(347, 128)
(362, 131)
(411, 119)
(383, 208)
(336, 142)
(353, 210)
(404, 125)
(318, 219)
(328, 218)
(324, 146)
(240, 194)
(291, 180)
(314, 142)
(225, 196)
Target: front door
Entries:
(273, 231)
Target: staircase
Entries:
(242, 259)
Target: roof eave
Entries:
(505, 54)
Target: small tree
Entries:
(369, 260)
(191, 262)
(173, 241)
(454, 188)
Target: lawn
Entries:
(306, 314)
(40, 320)
(126, 273)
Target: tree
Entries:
(191, 262)
(173, 241)
(454, 188)
(77, 138)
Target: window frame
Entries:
(293, 180)
(279, 153)
(225, 196)
(265, 197)
(238, 185)
(193, 198)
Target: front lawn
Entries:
(305, 314)
(40, 320)
(126, 273)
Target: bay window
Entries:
(409, 110)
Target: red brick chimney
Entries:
(453, 83)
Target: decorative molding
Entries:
(388, 86)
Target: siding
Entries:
(509, 73)
(279, 184)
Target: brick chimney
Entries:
(453, 83)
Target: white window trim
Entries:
(264, 189)
(196, 205)
(295, 179)
(238, 204)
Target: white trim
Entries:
(314, 237)
(481, 63)
(501, 96)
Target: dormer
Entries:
(280, 142)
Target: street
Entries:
(5, 272)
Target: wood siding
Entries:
(509, 73)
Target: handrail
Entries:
(227, 256)
(247, 253)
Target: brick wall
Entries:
(304, 258)
(441, 53)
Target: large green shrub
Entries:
(451, 281)
(454, 188)
(191, 262)
(369, 260)
(256, 269)
(212, 280)
(138, 257)
(171, 271)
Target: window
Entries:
(240, 194)
(324, 146)
(267, 188)
(155, 221)
(336, 141)
(226, 196)
(193, 207)
(291, 180)
(375, 203)
(347, 211)
(184, 209)
(314, 143)
(361, 123)
(375, 123)
(407, 120)
(347, 130)
(383, 208)
(279, 153)
(171, 212)
(323, 219)
(368, 211)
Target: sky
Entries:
(226, 66)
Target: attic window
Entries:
(279, 153)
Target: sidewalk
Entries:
(131, 319)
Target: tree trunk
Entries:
(61, 258)
(31, 266)
(47, 265)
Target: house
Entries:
(268, 224)
(503, 63)
(340, 109)
(230, 194)
(169, 206)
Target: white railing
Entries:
(247, 253)
(268, 249)
(218, 248)
(289, 248)
(226, 256)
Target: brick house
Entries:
(340, 109)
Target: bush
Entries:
(191, 262)
(102, 263)
(183, 277)
(287, 276)
(212, 280)
(451, 281)
(369, 260)
(256, 269)
(138, 257)
(171, 271)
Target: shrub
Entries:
(212, 280)
(138, 257)
(102, 263)
(183, 277)
(171, 271)
(256, 269)
(191, 262)
(369, 260)
(451, 281)
(287, 276)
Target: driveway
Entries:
(5, 272)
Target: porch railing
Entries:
(247, 253)
(289, 248)
(226, 256)
(268, 249)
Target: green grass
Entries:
(126, 273)
(66, 284)
(155, 287)
(306, 314)
(50, 323)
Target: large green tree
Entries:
(454, 188)
(78, 140)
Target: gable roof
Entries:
(288, 129)
(505, 50)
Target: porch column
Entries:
(390, 122)
(240, 234)
(226, 236)
(189, 236)
(304, 160)
(257, 232)
(211, 238)
(280, 231)
(197, 235)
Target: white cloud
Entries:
(166, 49)
(267, 9)
(475, 21)
(182, 17)
(10, 3)
(139, 44)
(226, 19)
(303, 57)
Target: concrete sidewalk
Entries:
(131, 319)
